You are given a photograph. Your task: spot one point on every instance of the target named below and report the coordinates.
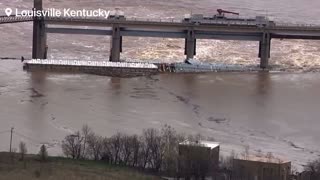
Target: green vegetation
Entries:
(90, 156)
(33, 167)
(151, 154)
(154, 150)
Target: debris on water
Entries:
(217, 120)
(8, 58)
(35, 93)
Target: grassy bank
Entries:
(62, 168)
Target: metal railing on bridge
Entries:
(297, 26)
(243, 22)
(14, 19)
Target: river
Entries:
(271, 112)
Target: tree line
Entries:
(154, 150)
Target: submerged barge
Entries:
(105, 68)
(196, 66)
(130, 69)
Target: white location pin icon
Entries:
(8, 11)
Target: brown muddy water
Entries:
(275, 112)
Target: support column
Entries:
(39, 44)
(116, 44)
(264, 50)
(190, 44)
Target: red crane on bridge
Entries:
(221, 13)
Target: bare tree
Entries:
(86, 131)
(314, 169)
(145, 151)
(72, 145)
(152, 155)
(23, 150)
(126, 149)
(95, 146)
(313, 166)
(157, 152)
(115, 147)
(106, 154)
(43, 153)
(170, 147)
(195, 138)
(136, 145)
(269, 156)
(154, 149)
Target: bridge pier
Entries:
(116, 44)
(264, 50)
(39, 44)
(190, 44)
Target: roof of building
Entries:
(209, 144)
(264, 159)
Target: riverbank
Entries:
(62, 168)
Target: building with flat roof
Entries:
(261, 168)
(198, 159)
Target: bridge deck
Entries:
(215, 29)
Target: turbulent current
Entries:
(276, 112)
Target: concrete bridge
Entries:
(119, 28)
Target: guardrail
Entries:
(167, 20)
(240, 22)
(12, 19)
(286, 25)
(173, 20)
